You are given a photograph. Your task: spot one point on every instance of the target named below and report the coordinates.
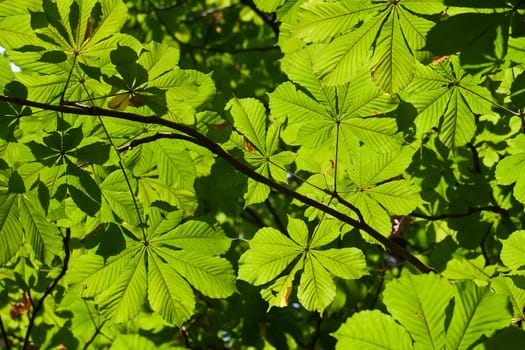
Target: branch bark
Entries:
(200, 139)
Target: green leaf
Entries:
(195, 236)
(483, 43)
(249, 118)
(278, 293)
(168, 293)
(378, 190)
(126, 294)
(472, 269)
(348, 263)
(392, 63)
(45, 237)
(211, 275)
(477, 312)
(418, 303)
(513, 251)
(95, 277)
(513, 288)
(316, 289)
(372, 330)
(342, 114)
(510, 169)
(175, 164)
(269, 254)
(391, 33)
(117, 197)
(11, 237)
(445, 96)
(321, 20)
(268, 5)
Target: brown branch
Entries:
(159, 135)
(202, 140)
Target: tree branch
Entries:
(470, 211)
(4, 335)
(268, 18)
(49, 289)
(275, 216)
(159, 135)
(202, 140)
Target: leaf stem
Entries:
(98, 330)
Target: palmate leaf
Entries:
(161, 267)
(446, 97)
(377, 188)
(390, 33)
(372, 330)
(348, 110)
(77, 30)
(271, 253)
(260, 143)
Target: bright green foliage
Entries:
(261, 146)
(512, 251)
(446, 91)
(153, 268)
(271, 253)
(421, 304)
(250, 174)
(372, 330)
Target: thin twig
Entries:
(250, 215)
(49, 289)
(470, 211)
(475, 158)
(275, 216)
(202, 140)
(159, 135)
(4, 335)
